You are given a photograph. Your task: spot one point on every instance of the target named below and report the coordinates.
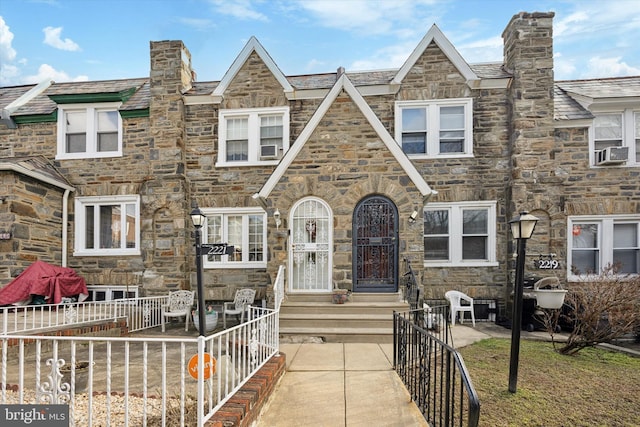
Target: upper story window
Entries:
(107, 225)
(243, 228)
(89, 131)
(460, 234)
(598, 242)
(435, 128)
(252, 136)
(616, 138)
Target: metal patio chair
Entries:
(179, 304)
(238, 306)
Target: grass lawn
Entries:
(593, 388)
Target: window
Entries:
(89, 131)
(440, 128)
(460, 234)
(616, 129)
(243, 228)
(251, 136)
(596, 242)
(107, 225)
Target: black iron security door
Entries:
(375, 245)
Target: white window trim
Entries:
(455, 234)
(253, 114)
(433, 126)
(245, 238)
(605, 239)
(80, 226)
(628, 136)
(92, 142)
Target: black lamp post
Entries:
(522, 229)
(198, 218)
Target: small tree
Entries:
(600, 309)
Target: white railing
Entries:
(137, 381)
(278, 287)
(142, 313)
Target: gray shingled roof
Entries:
(38, 166)
(617, 87)
(566, 108)
(42, 104)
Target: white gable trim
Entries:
(252, 45)
(434, 34)
(345, 84)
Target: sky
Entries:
(79, 40)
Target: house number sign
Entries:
(547, 262)
(216, 249)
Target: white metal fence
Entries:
(137, 381)
(141, 313)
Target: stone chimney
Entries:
(528, 55)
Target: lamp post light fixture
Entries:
(522, 229)
(198, 219)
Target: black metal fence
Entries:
(432, 370)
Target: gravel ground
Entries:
(112, 413)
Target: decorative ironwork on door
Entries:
(310, 256)
(375, 245)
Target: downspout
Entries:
(65, 215)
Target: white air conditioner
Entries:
(268, 151)
(612, 156)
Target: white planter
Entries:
(550, 298)
(210, 321)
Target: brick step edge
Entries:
(244, 407)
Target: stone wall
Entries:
(32, 212)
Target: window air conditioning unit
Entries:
(268, 151)
(612, 156)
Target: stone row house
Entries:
(340, 177)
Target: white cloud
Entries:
(609, 67)
(197, 24)
(7, 52)
(52, 38)
(46, 71)
(241, 9)
(563, 69)
(486, 50)
(313, 65)
(402, 17)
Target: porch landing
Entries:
(364, 318)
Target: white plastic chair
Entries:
(242, 299)
(179, 304)
(455, 298)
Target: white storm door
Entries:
(310, 251)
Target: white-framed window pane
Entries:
(271, 131)
(234, 236)
(89, 227)
(637, 136)
(237, 150)
(76, 131)
(107, 127)
(237, 128)
(130, 225)
(414, 119)
(608, 130)
(414, 143)
(452, 129)
(214, 234)
(585, 256)
(474, 233)
(256, 249)
(626, 250)
(436, 239)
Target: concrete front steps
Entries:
(364, 318)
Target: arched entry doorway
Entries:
(375, 245)
(310, 253)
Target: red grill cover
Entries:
(44, 279)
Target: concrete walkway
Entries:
(350, 385)
(337, 384)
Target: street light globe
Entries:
(523, 225)
(197, 217)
